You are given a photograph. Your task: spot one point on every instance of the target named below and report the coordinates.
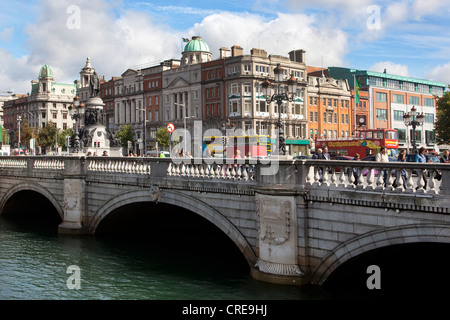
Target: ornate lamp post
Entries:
(76, 111)
(413, 119)
(279, 97)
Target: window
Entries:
(262, 106)
(234, 89)
(247, 88)
(427, 102)
(430, 137)
(414, 100)
(342, 119)
(247, 106)
(381, 97)
(311, 116)
(401, 135)
(409, 86)
(346, 118)
(382, 114)
(398, 98)
(418, 135)
(325, 117)
(429, 118)
(54, 115)
(395, 84)
(398, 115)
(316, 116)
(330, 118)
(335, 117)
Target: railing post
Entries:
(74, 205)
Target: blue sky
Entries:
(407, 37)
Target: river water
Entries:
(34, 262)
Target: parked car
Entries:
(337, 169)
(155, 154)
(372, 158)
(302, 157)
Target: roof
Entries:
(46, 71)
(196, 44)
(347, 73)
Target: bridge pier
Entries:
(278, 238)
(74, 186)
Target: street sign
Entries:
(170, 127)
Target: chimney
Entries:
(224, 53)
(258, 52)
(297, 55)
(236, 51)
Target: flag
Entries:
(356, 91)
(185, 39)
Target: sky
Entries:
(405, 37)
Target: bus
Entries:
(258, 146)
(366, 143)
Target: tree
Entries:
(125, 134)
(442, 123)
(26, 133)
(48, 135)
(162, 136)
(62, 137)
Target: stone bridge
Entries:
(295, 221)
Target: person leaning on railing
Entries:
(421, 158)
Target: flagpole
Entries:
(354, 90)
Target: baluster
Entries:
(351, 179)
(325, 176)
(420, 181)
(432, 183)
(333, 177)
(310, 176)
(342, 179)
(380, 180)
(370, 178)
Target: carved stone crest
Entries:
(274, 221)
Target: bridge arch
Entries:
(178, 199)
(32, 187)
(415, 233)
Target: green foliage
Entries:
(47, 135)
(442, 124)
(162, 136)
(125, 134)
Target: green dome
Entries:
(46, 71)
(196, 44)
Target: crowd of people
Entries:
(382, 156)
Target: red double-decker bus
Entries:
(368, 142)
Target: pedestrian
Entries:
(357, 157)
(382, 156)
(318, 154)
(326, 155)
(445, 157)
(89, 154)
(105, 154)
(421, 158)
(401, 158)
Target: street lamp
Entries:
(413, 119)
(19, 120)
(279, 97)
(185, 133)
(144, 148)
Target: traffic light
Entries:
(98, 144)
(95, 144)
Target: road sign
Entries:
(170, 127)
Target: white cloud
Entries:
(391, 68)
(6, 34)
(277, 36)
(440, 74)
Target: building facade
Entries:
(48, 102)
(391, 96)
(329, 107)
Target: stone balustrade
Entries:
(417, 178)
(369, 176)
